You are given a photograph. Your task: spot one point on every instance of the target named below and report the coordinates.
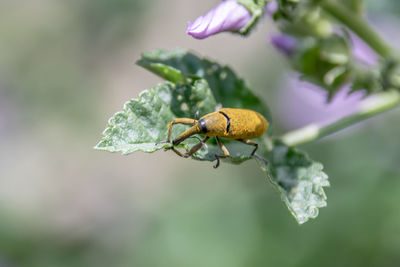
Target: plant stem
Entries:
(368, 108)
(359, 26)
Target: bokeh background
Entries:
(67, 66)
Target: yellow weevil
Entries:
(232, 123)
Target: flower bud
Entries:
(284, 43)
(229, 15)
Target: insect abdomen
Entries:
(244, 123)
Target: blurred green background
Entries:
(67, 66)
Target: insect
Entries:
(231, 123)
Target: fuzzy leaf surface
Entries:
(227, 88)
(299, 180)
(142, 124)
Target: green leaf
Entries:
(299, 180)
(228, 89)
(170, 74)
(142, 124)
(367, 79)
(324, 62)
(390, 74)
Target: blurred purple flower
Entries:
(229, 15)
(284, 43)
(362, 51)
(271, 8)
(304, 103)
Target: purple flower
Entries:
(229, 15)
(284, 43)
(303, 103)
(361, 51)
(271, 8)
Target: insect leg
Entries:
(196, 147)
(252, 143)
(185, 121)
(264, 161)
(180, 153)
(217, 164)
(177, 152)
(224, 149)
(196, 137)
